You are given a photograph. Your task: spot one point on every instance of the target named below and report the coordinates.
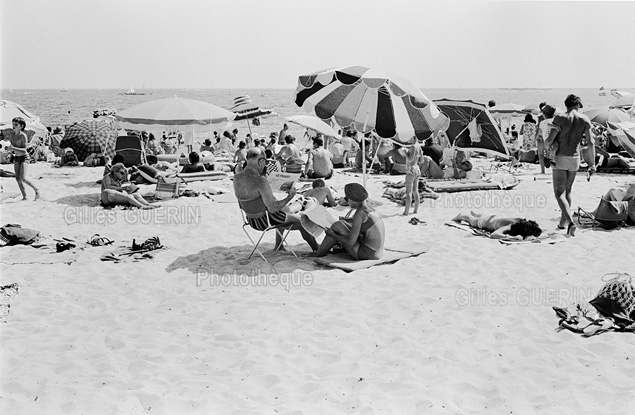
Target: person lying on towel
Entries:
(116, 190)
(501, 227)
(363, 236)
(318, 195)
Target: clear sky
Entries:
(268, 43)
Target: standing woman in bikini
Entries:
(19, 140)
(413, 173)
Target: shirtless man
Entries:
(288, 151)
(19, 141)
(567, 133)
(320, 160)
(255, 196)
(283, 134)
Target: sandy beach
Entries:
(464, 328)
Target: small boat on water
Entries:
(131, 91)
(602, 92)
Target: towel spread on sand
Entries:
(549, 238)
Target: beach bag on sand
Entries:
(616, 298)
(167, 187)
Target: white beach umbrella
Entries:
(313, 123)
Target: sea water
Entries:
(62, 108)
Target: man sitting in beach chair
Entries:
(256, 199)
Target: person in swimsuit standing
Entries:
(19, 140)
(414, 157)
(362, 237)
(568, 131)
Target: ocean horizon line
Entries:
(519, 88)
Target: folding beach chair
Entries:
(263, 218)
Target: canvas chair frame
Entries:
(285, 228)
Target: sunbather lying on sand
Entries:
(116, 190)
(501, 227)
(316, 196)
(363, 237)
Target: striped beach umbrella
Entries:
(625, 133)
(245, 109)
(368, 100)
(91, 136)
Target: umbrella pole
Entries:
(364, 149)
(249, 127)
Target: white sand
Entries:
(466, 328)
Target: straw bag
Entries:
(167, 187)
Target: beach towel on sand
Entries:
(393, 254)
(548, 238)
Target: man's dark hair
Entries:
(318, 141)
(573, 100)
(318, 183)
(194, 157)
(288, 139)
(117, 158)
(525, 228)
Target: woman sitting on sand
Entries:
(501, 227)
(363, 236)
(116, 190)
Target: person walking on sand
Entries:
(567, 132)
(19, 139)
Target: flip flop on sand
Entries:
(597, 327)
(416, 221)
(97, 240)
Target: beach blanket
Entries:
(346, 263)
(549, 238)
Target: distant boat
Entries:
(64, 89)
(602, 92)
(263, 95)
(132, 92)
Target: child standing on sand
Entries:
(546, 126)
(19, 140)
